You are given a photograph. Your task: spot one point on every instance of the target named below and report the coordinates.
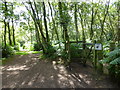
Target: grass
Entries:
(27, 52)
(21, 53)
(35, 52)
(3, 61)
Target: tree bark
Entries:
(64, 25)
(76, 26)
(14, 42)
(103, 21)
(55, 28)
(35, 19)
(5, 30)
(45, 22)
(9, 34)
(83, 32)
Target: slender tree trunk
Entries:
(13, 36)
(38, 25)
(30, 30)
(111, 29)
(76, 26)
(55, 28)
(14, 42)
(37, 20)
(83, 31)
(35, 23)
(92, 20)
(5, 30)
(5, 23)
(94, 13)
(9, 34)
(45, 22)
(64, 25)
(102, 24)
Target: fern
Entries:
(112, 57)
(115, 61)
(114, 54)
(106, 60)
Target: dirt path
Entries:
(27, 71)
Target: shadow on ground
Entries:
(27, 71)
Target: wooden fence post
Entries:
(100, 57)
(112, 46)
(95, 56)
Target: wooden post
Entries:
(95, 57)
(100, 57)
(112, 46)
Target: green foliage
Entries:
(77, 54)
(36, 52)
(22, 43)
(106, 48)
(6, 60)
(37, 47)
(21, 53)
(76, 51)
(17, 47)
(7, 51)
(27, 52)
(50, 52)
(31, 48)
(116, 53)
(113, 60)
(64, 55)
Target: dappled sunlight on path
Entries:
(28, 71)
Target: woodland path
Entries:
(28, 71)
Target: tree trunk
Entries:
(92, 20)
(13, 28)
(13, 32)
(5, 30)
(83, 32)
(64, 25)
(76, 26)
(45, 22)
(35, 22)
(9, 34)
(5, 23)
(103, 21)
(55, 28)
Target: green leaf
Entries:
(104, 61)
(115, 61)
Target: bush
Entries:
(21, 43)
(50, 50)
(64, 55)
(113, 61)
(76, 51)
(31, 48)
(17, 47)
(37, 47)
(7, 51)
